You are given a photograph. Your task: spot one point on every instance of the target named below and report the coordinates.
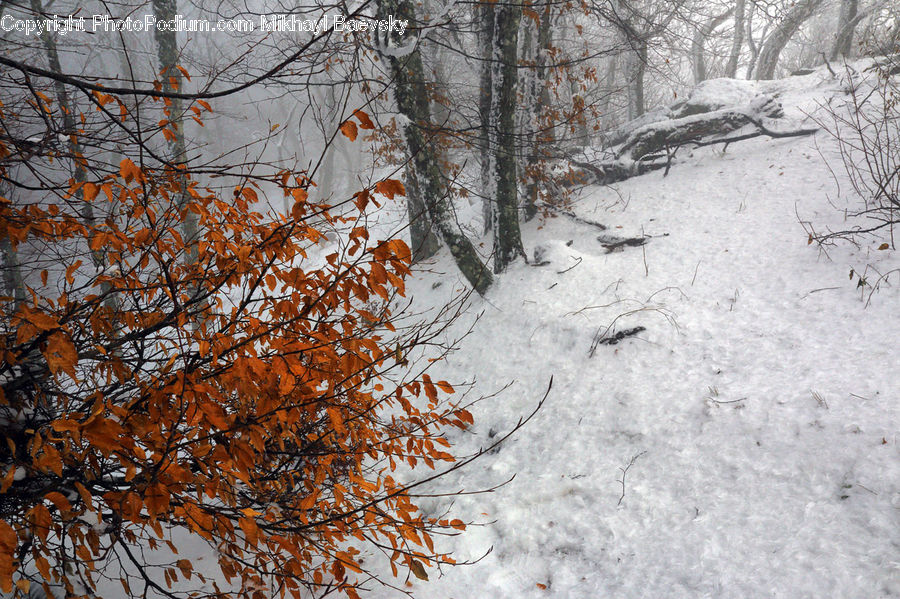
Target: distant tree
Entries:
(700, 38)
(737, 38)
(782, 33)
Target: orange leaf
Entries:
(364, 121)
(42, 321)
(70, 272)
(445, 386)
(8, 542)
(362, 199)
(41, 521)
(90, 191)
(186, 567)
(250, 530)
(348, 128)
(59, 500)
(61, 354)
(390, 187)
(126, 169)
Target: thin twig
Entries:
(624, 471)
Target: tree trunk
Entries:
(507, 237)
(637, 63)
(784, 31)
(737, 41)
(412, 102)
(12, 273)
(700, 37)
(751, 45)
(486, 41)
(167, 50)
(849, 19)
(79, 175)
(539, 103)
(423, 242)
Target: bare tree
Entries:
(782, 34)
(700, 36)
(737, 39)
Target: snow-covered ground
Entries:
(758, 410)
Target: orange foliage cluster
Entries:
(229, 386)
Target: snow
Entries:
(760, 401)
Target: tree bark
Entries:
(737, 41)
(423, 242)
(486, 41)
(637, 63)
(849, 19)
(700, 37)
(507, 237)
(167, 51)
(784, 31)
(12, 273)
(412, 102)
(540, 99)
(79, 175)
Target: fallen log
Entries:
(657, 137)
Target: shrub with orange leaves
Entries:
(158, 390)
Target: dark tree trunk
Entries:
(486, 84)
(849, 19)
(167, 50)
(540, 135)
(67, 111)
(412, 102)
(507, 237)
(423, 242)
(784, 31)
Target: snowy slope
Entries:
(762, 398)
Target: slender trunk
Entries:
(610, 89)
(507, 237)
(737, 41)
(412, 102)
(700, 37)
(849, 19)
(541, 134)
(12, 274)
(167, 49)
(423, 242)
(486, 36)
(79, 174)
(638, 66)
(779, 38)
(751, 44)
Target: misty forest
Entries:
(449, 299)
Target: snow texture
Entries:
(761, 401)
